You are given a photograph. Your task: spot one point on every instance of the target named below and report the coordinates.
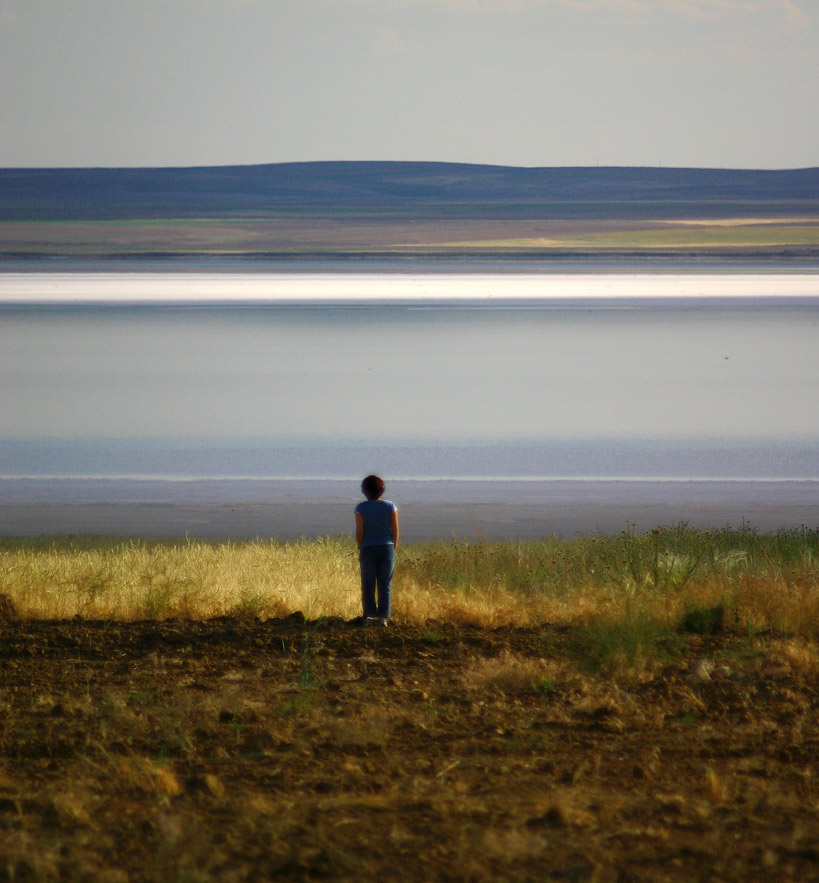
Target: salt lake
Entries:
(516, 378)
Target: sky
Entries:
(700, 83)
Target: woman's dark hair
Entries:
(372, 487)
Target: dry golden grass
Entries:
(641, 585)
(790, 657)
(511, 673)
(192, 580)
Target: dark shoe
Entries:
(384, 622)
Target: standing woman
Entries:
(376, 533)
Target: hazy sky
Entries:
(519, 82)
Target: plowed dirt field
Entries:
(245, 750)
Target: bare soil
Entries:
(243, 750)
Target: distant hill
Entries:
(411, 189)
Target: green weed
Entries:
(298, 704)
(546, 686)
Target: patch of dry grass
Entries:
(512, 673)
(790, 657)
(131, 580)
(635, 586)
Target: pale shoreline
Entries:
(429, 510)
(55, 287)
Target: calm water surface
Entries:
(417, 360)
(466, 358)
(233, 404)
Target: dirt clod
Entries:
(8, 612)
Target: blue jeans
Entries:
(377, 566)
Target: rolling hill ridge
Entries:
(414, 188)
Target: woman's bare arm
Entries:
(359, 529)
(394, 527)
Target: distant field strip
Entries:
(387, 235)
(741, 222)
(694, 234)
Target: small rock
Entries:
(214, 785)
(703, 670)
(769, 859)
(170, 827)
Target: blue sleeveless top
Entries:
(376, 515)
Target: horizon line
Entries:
(405, 162)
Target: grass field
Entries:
(643, 584)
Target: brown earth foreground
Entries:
(244, 750)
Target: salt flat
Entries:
(429, 509)
(282, 287)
